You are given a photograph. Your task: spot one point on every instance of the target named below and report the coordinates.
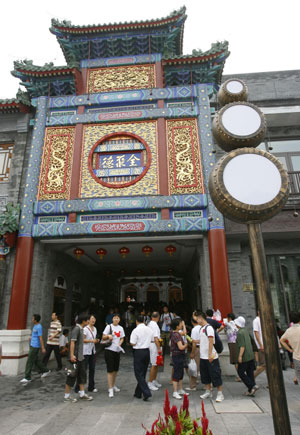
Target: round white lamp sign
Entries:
(248, 185)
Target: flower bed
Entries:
(179, 422)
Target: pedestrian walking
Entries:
(36, 344)
(210, 370)
(140, 340)
(89, 351)
(290, 340)
(155, 349)
(116, 334)
(232, 331)
(246, 364)
(195, 353)
(177, 348)
(54, 333)
(166, 319)
(257, 334)
(77, 372)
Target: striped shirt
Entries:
(55, 326)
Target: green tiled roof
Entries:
(78, 43)
(68, 27)
(21, 103)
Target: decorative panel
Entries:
(119, 159)
(56, 165)
(185, 172)
(121, 78)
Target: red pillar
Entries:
(219, 272)
(17, 317)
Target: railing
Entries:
(294, 180)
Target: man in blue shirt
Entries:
(36, 343)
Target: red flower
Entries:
(177, 428)
(167, 406)
(174, 413)
(153, 427)
(195, 424)
(185, 405)
(204, 420)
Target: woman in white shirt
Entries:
(89, 351)
(113, 332)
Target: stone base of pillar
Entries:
(15, 347)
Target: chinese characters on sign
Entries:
(116, 161)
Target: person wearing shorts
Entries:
(210, 370)
(257, 334)
(77, 372)
(154, 351)
(177, 347)
(116, 334)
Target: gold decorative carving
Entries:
(121, 78)
(185, 173)
(55, 176)
(148, 185)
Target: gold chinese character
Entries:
(107, 162)
(120, 161)
(132, 160)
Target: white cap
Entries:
(240, 322)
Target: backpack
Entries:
(218, 345)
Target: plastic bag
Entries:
(193, 368)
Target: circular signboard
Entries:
(248, 185)
(239, 125)
(232, 90)
(119, 160)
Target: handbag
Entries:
(107, 342)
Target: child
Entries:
(64, 343)
(178, 356)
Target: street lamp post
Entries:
(250, 186)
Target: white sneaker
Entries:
(95, 390)
(45, 374)
(206, 395)
(152, 387)
(183, 392)
(156, 384)
(220, 397)
(25, 381)
(111, 392)
(116, 389)
(177, 396)
(191, 388)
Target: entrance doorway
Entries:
(153, 296)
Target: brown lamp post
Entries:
(250, 186)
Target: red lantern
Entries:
(78, 252)
(124, 251)
(147, 250)
(170, 250)
(101, 252)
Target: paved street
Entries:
(38, 407)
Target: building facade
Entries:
(109, 158)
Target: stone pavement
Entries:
(38, 407)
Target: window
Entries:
(288, 153)
(5, 158)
